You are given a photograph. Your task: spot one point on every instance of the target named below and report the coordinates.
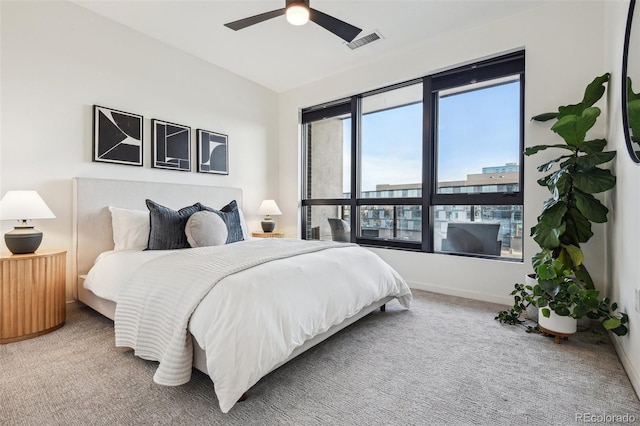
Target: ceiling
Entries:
(281, 56)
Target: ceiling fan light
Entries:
(297, 14)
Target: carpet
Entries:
(445, 361)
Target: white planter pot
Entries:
(557, 323)
(584, 323)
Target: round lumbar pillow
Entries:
(205, 229)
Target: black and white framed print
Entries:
(117, 136)
(171, 146)
(213, 152)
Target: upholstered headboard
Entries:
(92, 198)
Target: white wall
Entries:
(58, 59)
(623, 242)
(563, 54)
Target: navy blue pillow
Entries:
(167, 226)
(231, 216)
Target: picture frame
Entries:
(213, 152)
(117, 136)
(171, 144)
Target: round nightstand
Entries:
(32, 294)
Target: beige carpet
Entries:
(444, 361)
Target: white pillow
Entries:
(243, 225)
(205, 228)
(130, 228)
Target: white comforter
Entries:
(252, 320)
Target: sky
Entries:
(476, 129)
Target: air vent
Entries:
(369, 38)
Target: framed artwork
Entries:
(171, 146)
(213, 152)
(117, 136)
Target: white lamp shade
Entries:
(269, 208)
(297, 14)
(24, 205)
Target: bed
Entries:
(254, 304)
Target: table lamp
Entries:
(268, 208)
(23, 206)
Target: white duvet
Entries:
(253, 320)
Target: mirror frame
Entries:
(625, 62)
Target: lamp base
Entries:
(23, 240)
(268, 225)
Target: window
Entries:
(327, 171)
(432, 164)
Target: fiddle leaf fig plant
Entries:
(566, 218)
(564, 284)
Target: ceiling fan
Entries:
(299, 13)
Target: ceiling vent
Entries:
(369, 38)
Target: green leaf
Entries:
(620, 331)
(591, 207)
(575, 254)
(593, 146)
(563, 311)
(611, 323)
(547, 166)
(540, 258)
(594, 180)
(562, 183)
(578, 227)
(546, 272)
(573, 289)
(595, 90)
(559, 180)
(545, 116)
(537, 148)
(553, 213)
(592, 301)
(546, 312)
(570, 110)
(573, 128)
(591, 160)
(579, 311)
(546, 236)
(583, 275)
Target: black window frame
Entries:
(485, 70)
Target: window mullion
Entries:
(356, 128)
(428, 163)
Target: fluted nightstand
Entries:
(268, 234)
(32, 294)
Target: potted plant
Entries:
(564, 285)
(562, 299)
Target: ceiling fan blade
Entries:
(252, 20)
(340, 28)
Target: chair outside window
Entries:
(340, 230)
(472, 237)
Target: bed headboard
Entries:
(92, 198)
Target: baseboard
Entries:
(631, 371)
(467, 294)
(74, 304)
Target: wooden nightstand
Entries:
(268, 234)
(32, 294)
